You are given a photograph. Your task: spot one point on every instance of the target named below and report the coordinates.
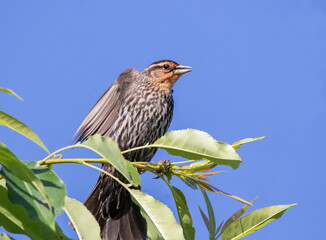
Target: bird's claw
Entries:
(164, 168)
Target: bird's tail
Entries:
(118, 216)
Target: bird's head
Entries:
(165, 73)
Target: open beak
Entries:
(181, 69)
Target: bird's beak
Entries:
(181, 69)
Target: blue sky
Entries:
(259, 69)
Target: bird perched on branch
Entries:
(135, 110)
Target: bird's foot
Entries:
(164, 169)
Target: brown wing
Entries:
(105, 112)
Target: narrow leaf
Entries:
(11, 92)
(236, 215)
(254, 221)
(16, 125)
(216, 190)
(201, 166)
(219, 228)
(183, 213)
(205, 218)
(205, 186)
(195, 145)
(160, 219)
(212, 223)
(232, 196)
(189, 182)
(109, 150)
(238, 144)
(84, 222)
(211, 173)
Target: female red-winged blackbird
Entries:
(136, 110)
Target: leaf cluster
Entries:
(32, 195)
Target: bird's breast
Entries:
(143, 120)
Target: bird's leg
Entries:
(165, 165)
(164, 168)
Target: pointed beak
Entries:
(181, 69)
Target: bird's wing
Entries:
(105, 112)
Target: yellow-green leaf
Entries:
(109, 150)
(211, 216)
(83, 221)
(11, 92)
(16, 125)
(194, 144)
(160, 220)
(254, 221)
(183, 213)
(236, 215)
(238, 144)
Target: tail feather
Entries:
(111, 230)
(118, 216)
(140, 230)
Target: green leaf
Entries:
(235, 216)
(195, 145)
(54, 186)
(205, 218)
(18, 126)
(11, 162)
(189, 182)
(254, 221)
(4, 236)
(160, 220)
(226, 194)
(211, 216)
(22, 193)
(57, 234)
(83, 221)
(109, 150)
(208, 187)
(238, 144)
(15, 219)
(11, 92)
(183, 212)
(200, 166)
(218, 229)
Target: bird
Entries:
(135, 110)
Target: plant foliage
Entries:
(32, 195)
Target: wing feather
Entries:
(105, 112)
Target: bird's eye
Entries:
(166, 66)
